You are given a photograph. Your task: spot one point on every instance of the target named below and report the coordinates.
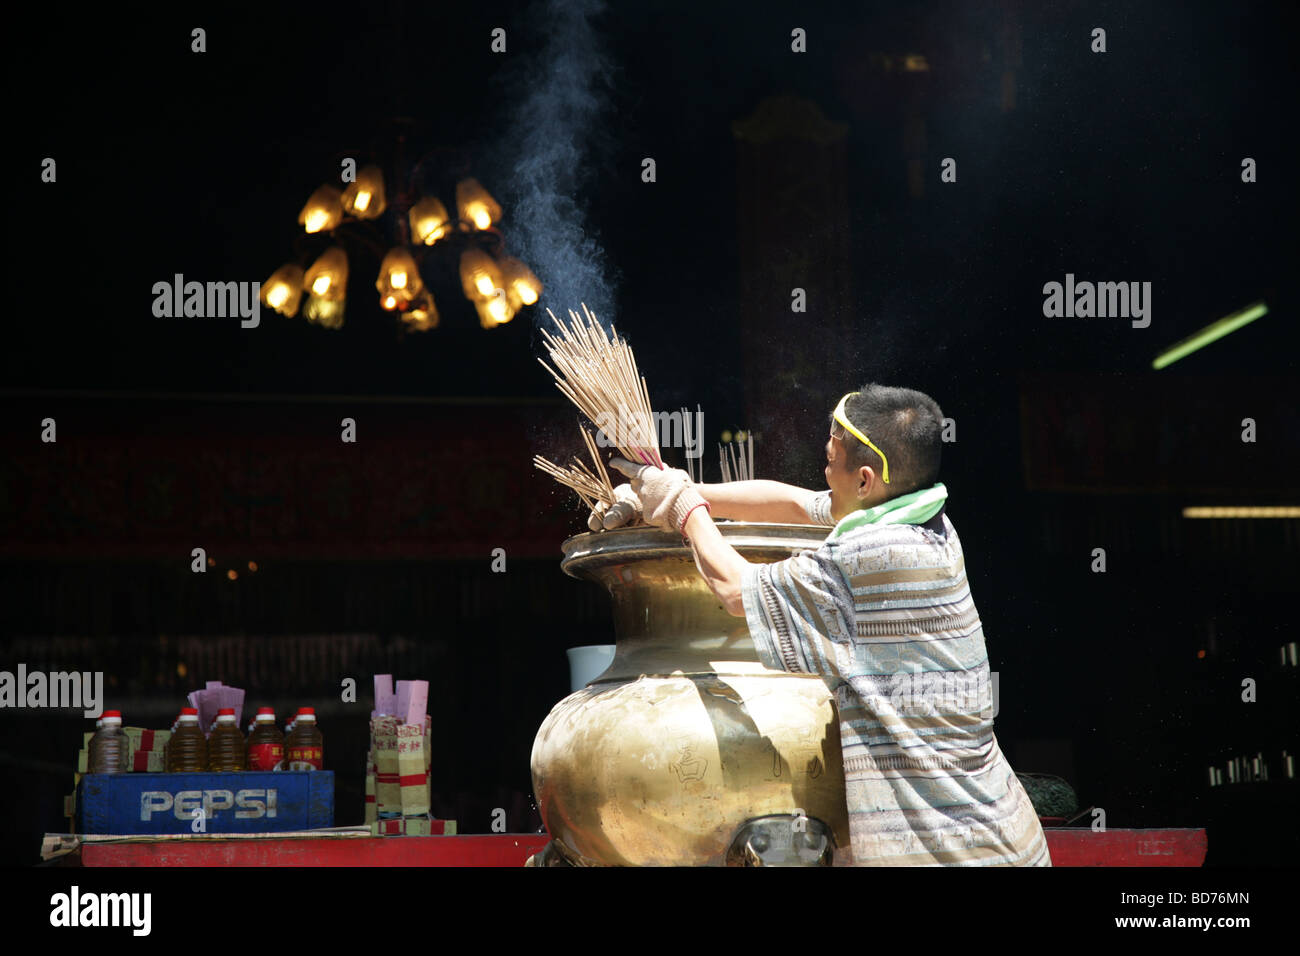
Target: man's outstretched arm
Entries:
(759, 500)
(718, 562)
(671, 502)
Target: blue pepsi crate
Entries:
(242, 802)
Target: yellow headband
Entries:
(843, 420)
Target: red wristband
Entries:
(702, 504)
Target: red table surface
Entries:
(1069, 847)
(1086, 847)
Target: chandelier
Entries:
(498, 285)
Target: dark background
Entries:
(1122, 166)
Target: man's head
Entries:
(906, 428)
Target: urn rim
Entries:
(592, 549)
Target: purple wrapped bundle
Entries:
(408, 704)
(411, 701)
(214, 697)
(385, 699)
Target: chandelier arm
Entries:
(490, 237)
(373, 244)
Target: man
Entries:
(883, 612)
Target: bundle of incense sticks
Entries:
(590, 486)
(741, 468)
(597, 372)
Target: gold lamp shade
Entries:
(364, 197)
(399, 279)
(480, 276)
(324, 311)
(429, 221)
(475, 204)
(494, 311)
(283, 291)
(323, 211)
(422, 315)
(327, 277)
(520, 284)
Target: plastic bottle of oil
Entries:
(305, 746)
(226, 744)
(109, 747)
(265, 749)
(188, 748)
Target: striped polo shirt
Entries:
(883, 613)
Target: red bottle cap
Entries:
(192, 711)
(307, 710)
(266, 710)
(226, 711)
(112, 713)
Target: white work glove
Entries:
(667, 494)
(626, 509)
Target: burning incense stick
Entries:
(590, 486)
(598, 373)
(578, 477)
(740, 466)
(600, 466)
(690, 439)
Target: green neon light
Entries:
(1209, 334)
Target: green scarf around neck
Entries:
(915, 508)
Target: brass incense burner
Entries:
(687, 751)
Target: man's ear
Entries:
(866, 480)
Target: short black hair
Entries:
(905, 424)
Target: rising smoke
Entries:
(560, 93)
